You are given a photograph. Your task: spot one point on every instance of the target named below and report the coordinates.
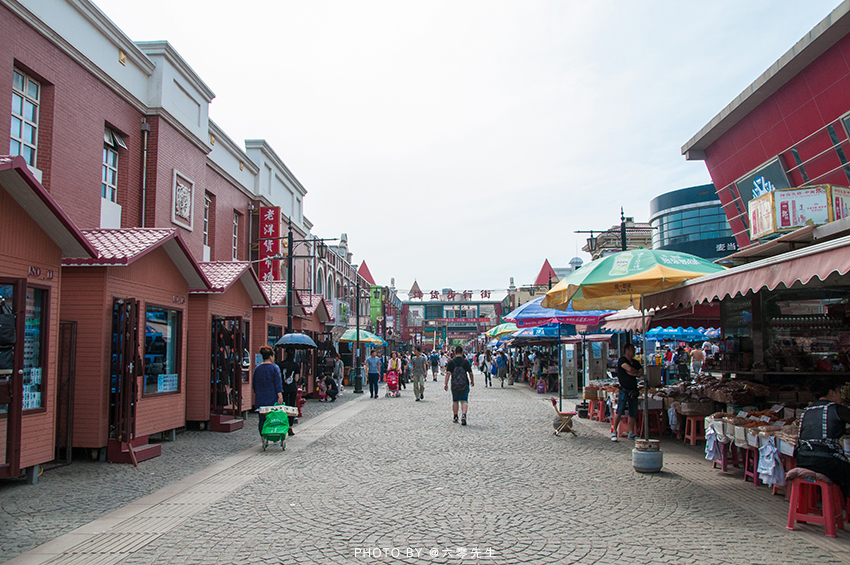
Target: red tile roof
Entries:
(122, 246)
(222, 274)
(19, 182)
(313, 302)
(276, 291)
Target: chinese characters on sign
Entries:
(268, 269)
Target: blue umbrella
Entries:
(297, 341)
(549, 331)
(533, 314)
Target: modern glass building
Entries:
(691, 220)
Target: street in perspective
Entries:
(448, 282)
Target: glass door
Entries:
(125, 363)
(226, 365)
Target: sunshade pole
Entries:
(560, 374)
(645, 374)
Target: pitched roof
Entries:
(363, 271)
(315, 303)
(122, 247)
(414, 288)
(276, 291)
(543, 276)
(19, 182)
(222, 275)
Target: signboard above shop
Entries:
(792, 208)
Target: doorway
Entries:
(226, 370)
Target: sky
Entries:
(460, 143)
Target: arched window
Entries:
(320, 282)
(330, 289)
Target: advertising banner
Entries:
(267, 269)
(762, 219)
(797, 206)
(841, 202)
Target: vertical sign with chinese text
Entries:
(269, 228)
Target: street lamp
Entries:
(358, 377)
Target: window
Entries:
(207, 203)
(235, 236)
(320, 282)
(109, 182)
(162, 339)
(26, 94)
(330, 288)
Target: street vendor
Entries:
(629, 370)
(819, 445)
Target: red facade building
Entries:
(789, 128)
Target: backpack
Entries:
(459, 378)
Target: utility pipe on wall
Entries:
(146, 129)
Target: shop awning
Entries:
(588, 337)
(802, 265)
(628, 320)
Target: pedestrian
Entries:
(501, 367)
(824, 422)
(373, 369)
(266, 384)
(629, 370)
(435, 364)
(338, 370)
(459, 372)
(697, 359)
(331, 388)
(486, 366)
(681, 360)
(418, 371)
(290, 371)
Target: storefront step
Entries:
(117, 452)
(225, 423)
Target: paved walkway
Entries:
(394, 481)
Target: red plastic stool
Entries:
(591, 409)
(803, 509)
(751, 465)
(725, 450)
(694, 429)
(656, 426)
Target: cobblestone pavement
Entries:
(370, 481)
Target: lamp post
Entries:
(358, 378)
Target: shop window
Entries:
(274, 334)
(26, 95)
(246, 354)
(34, 331)
(162, 343)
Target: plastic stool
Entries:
(694, 429)
(725, 450)
(802, 507)
(656, 425)
(593, 409)
(751, 465)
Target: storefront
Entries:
(220, 363)
(312, 323)
(34, 344)
(129, 306)
(784, 318)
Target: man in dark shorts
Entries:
(628, 372)
(456, 369)
(290, 371)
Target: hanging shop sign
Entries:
(268, 269)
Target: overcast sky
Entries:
(461, 143)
